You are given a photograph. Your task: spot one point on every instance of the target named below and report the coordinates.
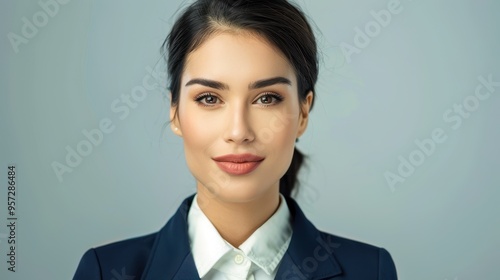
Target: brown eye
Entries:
(207, 99)
(269, 99)
(266, 99)
(210, 99)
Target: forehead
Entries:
(237, 57)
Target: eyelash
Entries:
(202, 96)
(278, 98)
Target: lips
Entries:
(238, 164)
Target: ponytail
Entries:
(290, 180)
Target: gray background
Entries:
(442, 222)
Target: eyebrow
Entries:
(254, 85)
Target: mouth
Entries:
(238, 164)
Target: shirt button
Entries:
(238, 259)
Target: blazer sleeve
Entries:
(387, 269)
(88, 268)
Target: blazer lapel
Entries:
(171, 257)
(309, 255)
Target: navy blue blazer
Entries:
(312, 254)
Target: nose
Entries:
(239, 128)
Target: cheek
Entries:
(278, 131)
(282, 124)
(286, 137)
(278, 139)
(197, 131)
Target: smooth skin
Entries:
(238, 115)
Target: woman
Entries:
(242, 76)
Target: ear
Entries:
(174, 119)
(305, 106)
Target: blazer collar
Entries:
(309, 255)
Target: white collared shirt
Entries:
(257, 258)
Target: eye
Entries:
(269, 98)
(207, 99)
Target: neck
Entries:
(236, 221)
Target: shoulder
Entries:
(161, 252)
(133, 247)
(335, 254)
(126, 258)
(352, 254)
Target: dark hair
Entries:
(280, 22)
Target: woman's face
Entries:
(239, 115)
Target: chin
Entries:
(240, 192)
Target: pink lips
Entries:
(238, 164)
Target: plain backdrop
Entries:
(384, 87)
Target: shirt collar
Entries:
(265, 247)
